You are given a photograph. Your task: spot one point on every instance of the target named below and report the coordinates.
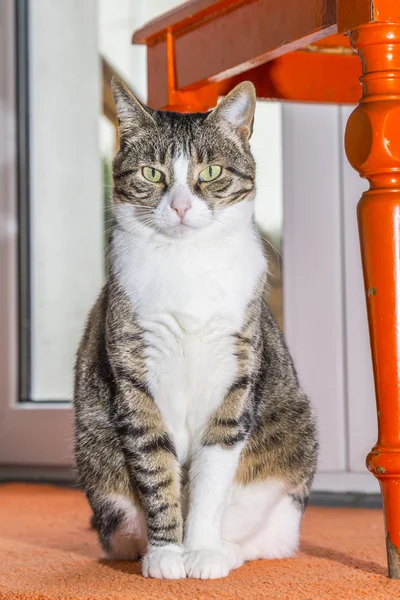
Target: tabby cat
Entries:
(195, 443)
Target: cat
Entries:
(195, 443)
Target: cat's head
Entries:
(181, 173)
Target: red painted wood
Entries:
(206, 39)
(353, 13)
(373, 148)
(305, 76)
(197, 12)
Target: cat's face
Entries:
(179, 173)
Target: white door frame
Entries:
(31, 433)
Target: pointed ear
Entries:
(131, 112)
(237, 108)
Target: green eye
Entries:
(152, 174)
(210, 173)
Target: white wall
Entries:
(313, 281)
(266, 145)
(117, 21)
(361, 409)
(325, 313)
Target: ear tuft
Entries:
(237, 108)
(129, 108)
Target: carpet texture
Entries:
(47, 551)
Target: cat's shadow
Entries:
(122, 566)
(348, 560)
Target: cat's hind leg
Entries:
(263, 520)
(120, 526)
(278, 536)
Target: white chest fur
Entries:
(190, 296)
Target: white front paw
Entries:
(165, 562)
(206, 564)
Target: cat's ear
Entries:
(237, 108)
(131, 112)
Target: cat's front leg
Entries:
(214, 465)
(149, 451)
(206, 555)
(155, 472)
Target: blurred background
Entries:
(58, 138)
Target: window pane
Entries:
(66, 202)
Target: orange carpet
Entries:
(47, 551)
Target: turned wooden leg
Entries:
(373, 148)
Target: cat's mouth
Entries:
(167, 228)
(180, 229)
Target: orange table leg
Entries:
(373, 148)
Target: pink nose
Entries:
(180, 207)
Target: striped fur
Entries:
(137, 457)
